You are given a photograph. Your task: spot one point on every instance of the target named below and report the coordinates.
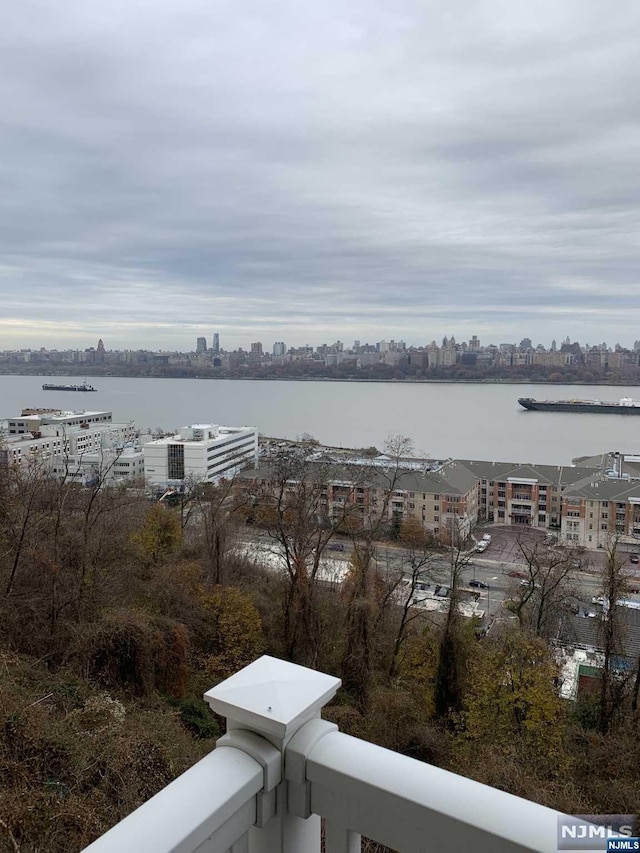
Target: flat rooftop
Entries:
(57, 413)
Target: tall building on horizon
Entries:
(215, 343)
(201, 345)
(279, 348)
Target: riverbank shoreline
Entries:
(331, 379)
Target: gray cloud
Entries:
(285, 172)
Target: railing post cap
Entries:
(272, 696)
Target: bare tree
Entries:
(614, 588)
(448, 687)
(293, 505)
(20, 515)
(215, 508)
(365, 592)
(420, 555)
(549, 590)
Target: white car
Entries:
(486, 537)
(482, 546)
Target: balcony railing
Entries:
(280, 769)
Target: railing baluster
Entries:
(340, 840)
(241, 845)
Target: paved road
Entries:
(492, 567)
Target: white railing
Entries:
(280, 768)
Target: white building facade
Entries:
(200, 453)
(110, 465)
(33, 420)
(57, 442)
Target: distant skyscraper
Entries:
(215, 344)
(554, 346)
(279, 348)
(201, 345)
(256, 348)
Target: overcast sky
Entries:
(296, 171)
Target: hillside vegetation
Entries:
(116, 614)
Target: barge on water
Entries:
(49, 386)
(626, 406)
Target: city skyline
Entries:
(214, 344)
(318, 172)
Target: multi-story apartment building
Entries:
(201, 453)
(63, 439)
(443, 502)
(589, 504)
(597, 512)
(527, 495)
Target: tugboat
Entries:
(48, 386)
(626, 406)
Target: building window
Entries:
(175, 460)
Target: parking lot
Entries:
(506, 539)
(504, 547)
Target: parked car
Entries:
(482, 546)
(634, 558)
(335, 546)
(479, 584)
(523, 575)
(486, 537)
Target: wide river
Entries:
(443, 419)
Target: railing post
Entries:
(274, 699)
